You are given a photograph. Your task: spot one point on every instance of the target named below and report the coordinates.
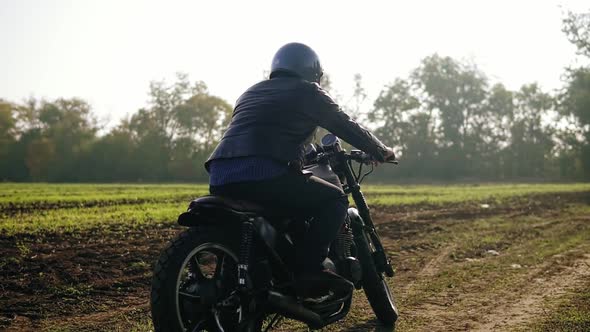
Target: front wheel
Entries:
(374, 284)
(194, 284)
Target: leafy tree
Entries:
(531, 142)
(577, 28)
(7, 136)
(40, 154)
(359, 95)
(113, 157)
(575, 99)
(178, 130)
(7, 123)
(404, 124)
(68, 128)
(202, 118)
(454, 93)
(390, 113)
(52, 136)
(495, 130)
(576, 102)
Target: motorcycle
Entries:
(230, 270)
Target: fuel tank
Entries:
(324, 171)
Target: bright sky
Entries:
(107, 51)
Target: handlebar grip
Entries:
(391, 160)
(366, 158)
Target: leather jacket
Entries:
(277, 117)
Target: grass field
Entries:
(472, 257)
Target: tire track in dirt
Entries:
(533, 305)
(434, 265)
(429, 270)
(430, 306)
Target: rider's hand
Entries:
(389, 155)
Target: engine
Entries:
(343, 243)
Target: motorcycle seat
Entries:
(220, 207)
(239, 206)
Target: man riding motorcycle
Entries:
(260, 157)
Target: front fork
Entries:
(363, 224)
(360, 229)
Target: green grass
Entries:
(23, 194)
(39, 207)
(77, 219)
(438, 195)
(38, 193)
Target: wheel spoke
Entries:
(191, 297)
(195, 305)
(199, 325)
(218, 268)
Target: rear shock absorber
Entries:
(245, 248)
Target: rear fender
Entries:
(205, 215)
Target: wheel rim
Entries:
(203, 279)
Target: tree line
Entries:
(446, 119)
(59, 140)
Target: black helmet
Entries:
(297, 59)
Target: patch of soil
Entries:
(56, 275)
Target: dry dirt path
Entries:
(539, 297)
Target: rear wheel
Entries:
(194, 284)
(374, 283)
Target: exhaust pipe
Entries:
(288, 307)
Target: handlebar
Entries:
(366, 158)
(355, 155)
